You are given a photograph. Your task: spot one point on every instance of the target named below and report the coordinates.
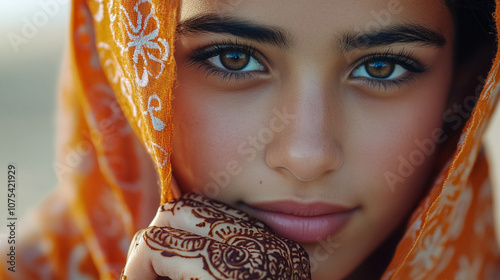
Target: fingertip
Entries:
(139, 265)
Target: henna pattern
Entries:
(214, 213)
(237, 247)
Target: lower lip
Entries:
(304, 229)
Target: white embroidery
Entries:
(459, 212)
(105, 213)
(429, 254)
(165, 155)
(469, 269)
(77, 256)
(99, 15)
(143, 39)
(116, 75)
(166, 47)
(158, 125)
(484, 217)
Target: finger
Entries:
(135, 242)
(207, 217)
(179, 254)
(194, 256)
(138, 264)
(167, 252)
(196, 201)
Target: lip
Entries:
(302, 222)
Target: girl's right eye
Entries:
(228, 61)
(236, 61)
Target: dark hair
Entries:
(475, 27)
(475, 49)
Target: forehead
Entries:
(322, 17)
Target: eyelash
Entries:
(199, 59)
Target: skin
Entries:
(345, 133)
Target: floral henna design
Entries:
(259, 256)
(237, 247)
(214, 213)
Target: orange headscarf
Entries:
(114, 160)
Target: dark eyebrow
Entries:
(408, 33)
(213, 23)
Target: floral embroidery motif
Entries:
(116, 74)
(484, 218)
(158, 125)
(158, 147)
(140, 39)
(469, 269)
(430, 253)
(458, 213)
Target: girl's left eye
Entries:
(232, 60)
(387, 69)
(380, 70)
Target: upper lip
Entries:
(301, 209)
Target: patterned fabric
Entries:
(114, 160)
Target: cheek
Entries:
(208, 131)
(396, 148)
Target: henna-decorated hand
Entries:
(197, 238)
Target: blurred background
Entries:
(29, 67)
(29, 70)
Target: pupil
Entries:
(378, 65)
(234, 60)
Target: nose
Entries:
(307, 148)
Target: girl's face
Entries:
(321, 118)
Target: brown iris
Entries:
(234, 60)
(380, 69)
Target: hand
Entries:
(194, 237)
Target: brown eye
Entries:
(380, 69)
(234, 60)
